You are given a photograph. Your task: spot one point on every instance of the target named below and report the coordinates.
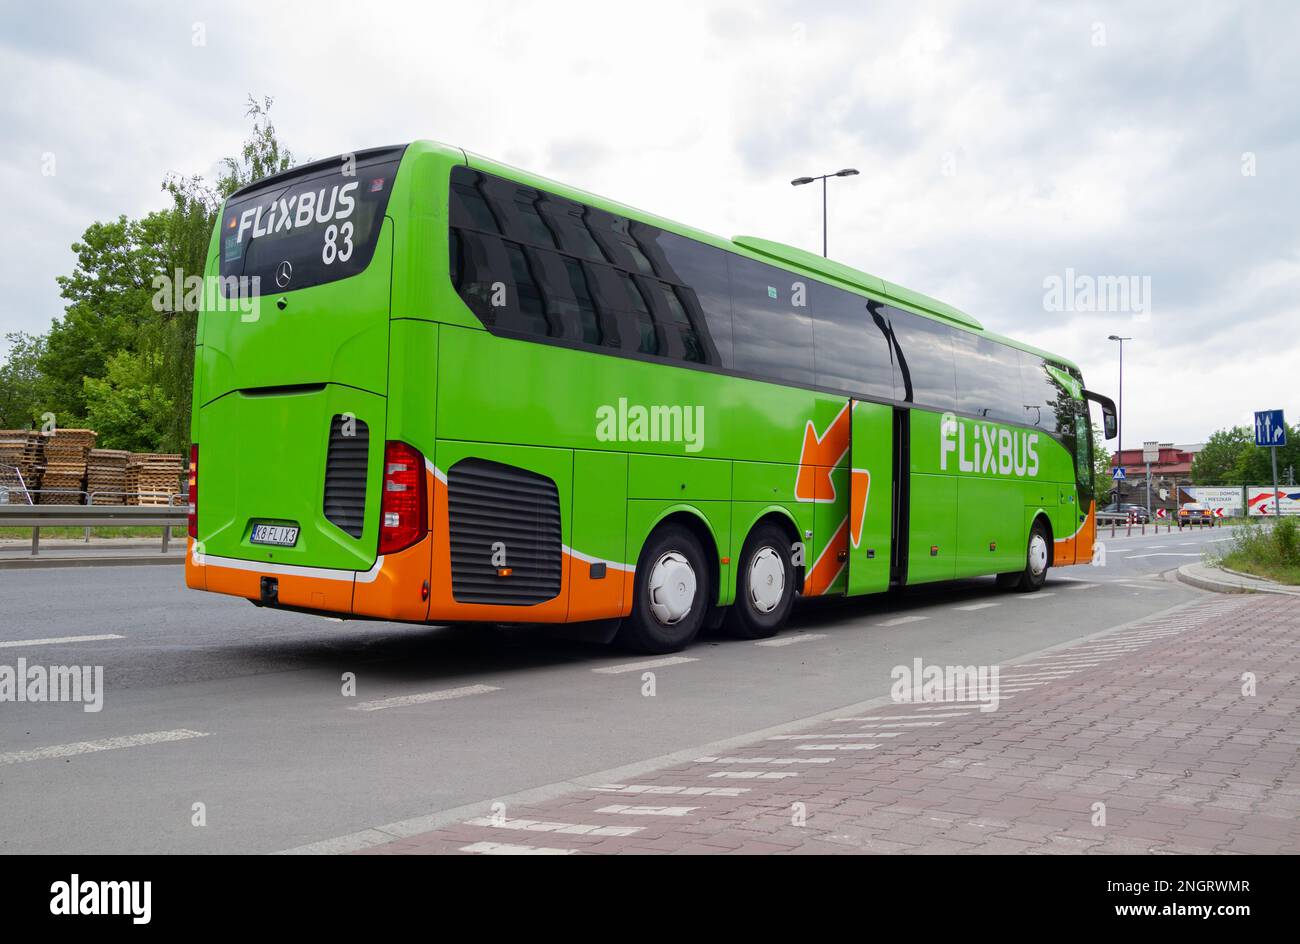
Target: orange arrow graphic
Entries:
(821, 454)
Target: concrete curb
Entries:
(1216, 580)
(135, 560)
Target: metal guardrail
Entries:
(93, 516)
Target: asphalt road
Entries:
(241, 709)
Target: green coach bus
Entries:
(458, 392)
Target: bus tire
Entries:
(765, 585)
(671, 593)
(1038, 559)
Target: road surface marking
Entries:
(624, 810)
(444, 694)
(754, 774)
(1082, 586)
(976, 606)
(506, 848)
(104, 744)
(902, 724)
(1041, 594)
(537, 826)
(639, 666)
(791, 640)
(660, 789)
(900, 620)
(762, 760)
(960, 713)
(837, 747)
(1165, 554)
(823, 737)
(56, 640)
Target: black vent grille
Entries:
(489, 503)
(345, 475)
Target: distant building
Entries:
(1172, 471)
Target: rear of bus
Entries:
(309, 482)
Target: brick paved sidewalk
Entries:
(1150, 720)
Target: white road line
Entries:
(837, 747)
(825, 737)
(951, 714)
(976, 606)
(1040, 595)
(902, 724)
(659, 789)
(753, 774)
(56, 640)
(779, 761)
(623, 809)
(401, 701)
(1082, 586)
(104, 744)
(900, 620)
(1165, 554)
(537, 826)
(790, 640)
(639, 666)
(506, 848)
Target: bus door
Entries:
(871, 499)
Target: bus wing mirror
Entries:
(1107, 411)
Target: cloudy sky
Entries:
(1001, 146)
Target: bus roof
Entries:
(764, 250)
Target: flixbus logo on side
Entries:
(986, 448)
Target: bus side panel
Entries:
(991, 535)
(644, 514)
(599, 537)
(932, 528)
(870, 497)
(828, 552)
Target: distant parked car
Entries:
(1140, 513)
(1194, 513)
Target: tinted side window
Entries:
(528, 262)
(772, 337)
(851, 343)
(924, 369)
(700, 271)
(1047, 405)
(988, 378)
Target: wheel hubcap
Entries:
(1037, 554)
(766, 580)
(672, 588)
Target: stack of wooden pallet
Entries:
(20, 455)
(63, 477)
(153, 478)
(106, 476)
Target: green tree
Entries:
(128, 407)
(1217, 463)
(21, 380)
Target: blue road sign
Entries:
(1118, 475)
(1270, 428)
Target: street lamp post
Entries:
(1119, 420)
(800, 181)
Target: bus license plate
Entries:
(277, 534)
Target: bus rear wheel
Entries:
(670, 593)
(1038, 558)
(764, 586)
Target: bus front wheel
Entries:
(1038, 558)
(764, 586)
(670, 593)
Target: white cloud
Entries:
(1123, 159)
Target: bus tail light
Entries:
(194, 491)
(403, 511)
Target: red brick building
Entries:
(1173, 470)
